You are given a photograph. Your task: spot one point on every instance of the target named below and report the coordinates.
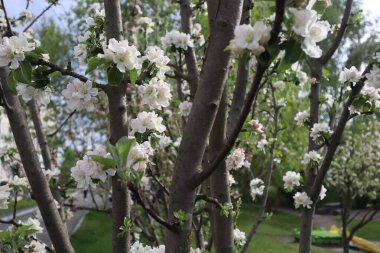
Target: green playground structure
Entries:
(334, 237)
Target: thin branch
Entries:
(342, 29)
(9, 27)
(75, 207)
(209, 200)
(336, 136)
(163, 187)
(155, 216)
(66, 72)
(62, 124)
(40, 15)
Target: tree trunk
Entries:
(118, 128)
(307, 214)
(222, 225)
(40, 188)
(201, 119)
(45, 149)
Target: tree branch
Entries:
(342, 29)
(62, 124)
(40, 15)
(150, 212)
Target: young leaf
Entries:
(12, 83)
(115, 77)
(93, 63)
(133, 76)
(24, 73)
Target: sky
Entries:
(14, 7)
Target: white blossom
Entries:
(373, 77)
(80, 95)
(28, 92)
(35, 247)
(291, 179)
(302, 117)
(125, 57)
(261, 144)
(250, 38)
(185, 108)
(4, 196)
(147, 121)
(257, 126)
(279, 85)
(12, 50)
(239, 237)
(236, 159)
(177, 39)
(370, 93)
(322, 194)
(156, 94)
(138, 247)
(147, 23)
(33, 224)
(257, 188)
(156, 56)
(319, 129)
(138, 156)
(86, 170)
(312, 156)
(19, 181)
(311, 29)
(351, 75)
(301, 199)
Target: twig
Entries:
(40, 15)
(62, 124)
(163, 187)
(9, 27)
(156, 217)
(342, 29)
(75, 207)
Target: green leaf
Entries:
(93, 63)
(24, 73)
(114, 76)
(123, 145)
(12, 83)
(293, 51)
(133, 76)
(106, 162)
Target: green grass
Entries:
(274, 235)
(22, 204)
(371, 231)
(94, 235)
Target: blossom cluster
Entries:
(319, 131)
(307, 25)
(28, 92)
(87, 172)
(291, 180)
(302, 118)
(13, 49)
(177, 40)
(250, 38)
(239, 237)
(257, 188)
(80, 95)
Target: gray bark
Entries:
(201, 119)
(242, 74)
(118, 128)
(45, 201)
(222, 225)
(190, 58)
(307, 214)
